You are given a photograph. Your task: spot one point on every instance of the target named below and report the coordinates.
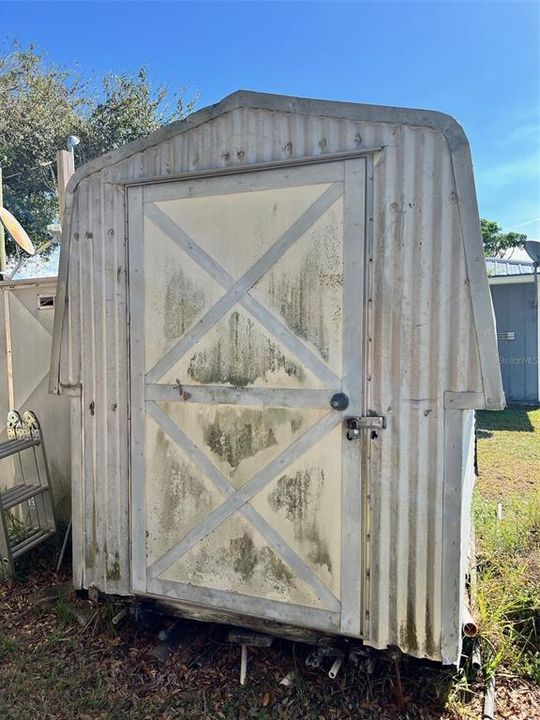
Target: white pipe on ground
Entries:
(489, 699)
(335, 668)
(469, 624)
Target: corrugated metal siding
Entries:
(423, 343)
(93, 345)
(501, 267)
(95, 357)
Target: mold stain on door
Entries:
(298, 497)
(241, 355)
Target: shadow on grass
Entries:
(514, 418)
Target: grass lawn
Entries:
(509, 453)
(508, 549)
(62, 658)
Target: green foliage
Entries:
(508, 551)
(7, 646)
(40, 105)
(130, 107)
(17, 527)
(508, 592)
(63, 612)
(497, 242)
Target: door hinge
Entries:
(370, 422)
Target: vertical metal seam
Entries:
(353, 372)
(9, 351)
(137, 469)
(368, 397)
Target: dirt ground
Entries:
(61, 657)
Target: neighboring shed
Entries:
(241, 292)
(26, 325)
(516, 297)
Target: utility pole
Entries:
(3, 264)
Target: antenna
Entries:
(532, 248)
(72, 142)
(16, 230)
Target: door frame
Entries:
(354, 594)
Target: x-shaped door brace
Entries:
(237, 291)
(238, 500)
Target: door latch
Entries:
(370, 422)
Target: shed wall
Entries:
(26, 331)
(423, 342)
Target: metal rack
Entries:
(31, 497)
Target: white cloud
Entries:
(521, 169)
(523, 224)
(522, 133)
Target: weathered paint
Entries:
(229, 546)
(26, 326)
(305, 505)
(429, 330)
(238, 353)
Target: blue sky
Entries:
(478, 61)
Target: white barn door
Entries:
(246, 311)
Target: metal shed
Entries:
(516, 299)
(240, 293)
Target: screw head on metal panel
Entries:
(339, 401)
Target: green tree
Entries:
(130, 107)
(39, 107)
(497, 242)
(41, 104)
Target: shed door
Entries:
(246, 304)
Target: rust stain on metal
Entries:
(184, 394)
(408, 632)
(112, 569)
